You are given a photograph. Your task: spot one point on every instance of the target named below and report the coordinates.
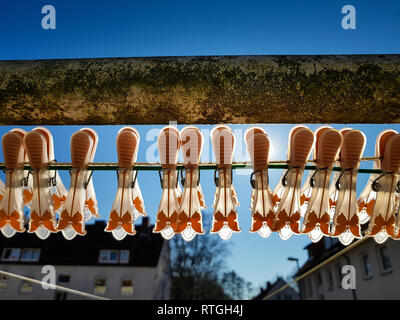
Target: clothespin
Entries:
(225, 217)
(48, 189)
(262, 207)
(91, 208)
(316, 220)
(72, 217)
(192, 201)
(27, 179)
(286, 195)
(168, 143)
(12, 203)
(385, 186)
(343, 193)
(366, 200)
(128, 204)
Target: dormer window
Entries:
(109, 256)
(30, 255)
(114, 256)
(11, 254)
(124, 256)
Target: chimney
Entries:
(145, 222)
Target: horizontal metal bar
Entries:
(143, 166)
(201, 90)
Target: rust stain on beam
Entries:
(214, 89)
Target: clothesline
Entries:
(155, 166)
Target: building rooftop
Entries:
(144, 247)
(322, 250)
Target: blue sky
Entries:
(187, 27)
(183, 28)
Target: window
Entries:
(11, 254)
(124, 256)
(63, 278)
(385, 260)
(319, 279)
(339, 274)
(3, 283)
(330, 279)
(310, 288)
(30, 255)
(366, 266)
(127, 288)
(109, 256)
(26, 287)
(303, 289)
(100, 286)
(113, 256)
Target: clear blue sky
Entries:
(185, 27)
(181, 28)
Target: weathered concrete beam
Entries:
(226, 89)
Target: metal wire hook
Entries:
(252, 179)
(25, 180)
(337, 183)
(216, 179)
(134, 179)
(162, 177)
(312, 178)
(183, 179)
(53, 180)
(85, 185)
(284, 179)
(375, 186)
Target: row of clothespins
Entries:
(318, 208)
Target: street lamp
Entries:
(295, 259)
(298, 269)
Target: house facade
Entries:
(135, 268)
(376, 266)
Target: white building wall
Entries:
(82, 278)
(381, 285)
(163, 274)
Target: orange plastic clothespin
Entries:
(168, 143)
(262, 207)
(343, 193)
(385, 186)
(48, 190)
(316, 221)
(225, 217)
(286, 195)
(12, 203)
(128, 204)
(72, 217)
(192, 201)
